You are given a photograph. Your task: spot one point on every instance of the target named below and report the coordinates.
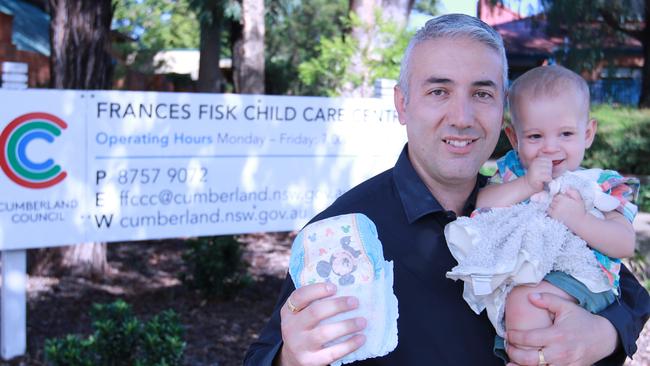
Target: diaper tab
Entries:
(482, 284)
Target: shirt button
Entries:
(451, 215)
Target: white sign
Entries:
(10, 85)
(14, 78)
(116, 166)
(15, 67)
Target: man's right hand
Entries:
(304, 337)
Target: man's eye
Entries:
(483, 94)
(438, 92)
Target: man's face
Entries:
(455, 109)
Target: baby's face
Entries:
(557, 128)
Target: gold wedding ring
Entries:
(540, 354)
(293, 308)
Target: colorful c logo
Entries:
(13, 146)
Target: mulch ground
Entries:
(145, 274)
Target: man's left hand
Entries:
(577, 336)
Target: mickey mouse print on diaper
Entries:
(342, 264)
(332, 251)
(345, 250)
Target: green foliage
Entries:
(581, 21)
(595, 31)
(70, 350)
(426, 6)
(215, 266)
(155, 25)
(158, 24)
(329, 72)
(392, 41)
(117, 332)
(162, 342)
(119, 338)
(325, 74)
(293, 33)
(205, 9)
(622, 142)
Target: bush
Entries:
(622, 142)
(119, 338)
(117, 332)
(162, 343)
(215, 266)
(70, 350)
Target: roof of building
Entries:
(528, 36)
(31, 26)
(495, 14)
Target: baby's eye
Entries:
(534, 136)
(567, 133)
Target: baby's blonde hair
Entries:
(547, 81)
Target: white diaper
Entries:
(345, 251)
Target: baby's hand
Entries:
(539, 172)
(568, 208)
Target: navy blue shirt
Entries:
(435, 325)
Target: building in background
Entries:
(25, 38)
(527, 45)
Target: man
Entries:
(450, 97)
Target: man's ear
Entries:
(400, 104)
(512, 136)
(590, 132)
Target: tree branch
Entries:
(611, 21)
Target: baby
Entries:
(550, 131)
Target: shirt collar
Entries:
(416, 198)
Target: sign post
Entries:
(13, 336)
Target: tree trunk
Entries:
(397, 10)
(210, 78)
(236, 52)
(80, 40)
(249, 68)
(644, 98)
(88, 259)
(363, 34)
(80, 59)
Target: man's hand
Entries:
(568, 208)
(539, 172)
(577, 337)
(305, 338)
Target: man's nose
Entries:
(461, 113)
